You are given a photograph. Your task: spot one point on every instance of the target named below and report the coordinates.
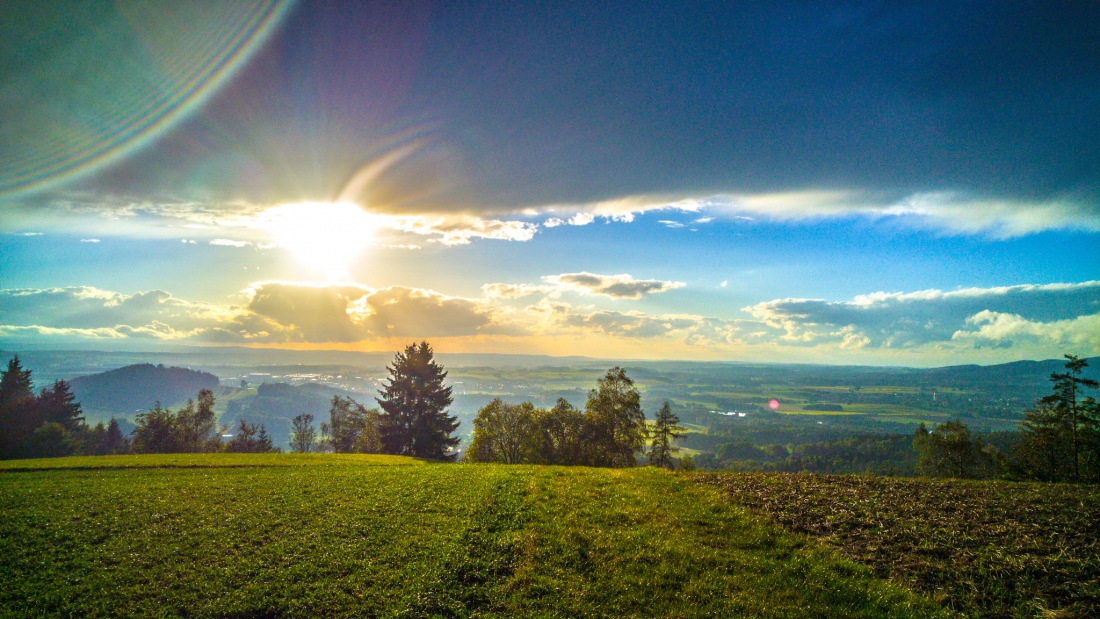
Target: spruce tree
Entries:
(57, 404)
(415, 401)
(666, 428)
(17, 400)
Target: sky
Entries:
(883, 183)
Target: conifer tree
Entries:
(57, 404)
(415, 401)
(666, 428)
(17, 422)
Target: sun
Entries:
(326, 237)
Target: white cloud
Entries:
(89, 240)
(582, 219)
(229, 243)
(908, 320)
(1003, 330)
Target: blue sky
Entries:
(842, 182)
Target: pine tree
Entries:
(666, 428)
(16, 409)
(1066, 387)
(415, 402)
(1060, 435)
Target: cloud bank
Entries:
(1031, 321)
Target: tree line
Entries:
(611, 430)
(411, 420)
(1058, 439)
(50, 422)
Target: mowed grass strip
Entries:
(340, 538)
(986, 549)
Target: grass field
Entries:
(363, 536)
(986, 549)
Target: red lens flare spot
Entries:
(774, 404)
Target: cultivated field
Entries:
(269, 536)
(986, 549)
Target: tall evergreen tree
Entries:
(114, 442)
(16, 409)
(666, 428)
(157, 431)
(1067, 386)
(15, 383)
(57, 404)
(415, 401)
(614, 421)
(1060, 435)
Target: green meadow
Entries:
(368, 536)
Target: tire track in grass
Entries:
(488, 556)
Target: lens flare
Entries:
(774, 405)
(87, 83)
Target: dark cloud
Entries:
(534, 104)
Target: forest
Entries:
(1056, 439)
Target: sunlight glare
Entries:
(324, 236)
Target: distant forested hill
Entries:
(136, 388)
(276, 404)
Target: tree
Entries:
(1043, 452)
(1060, 434)
(156, 432)
(15, 384)
(504, 433)
(197, 424)
(352, 428)
(559, 435)
(614, 421)
(949, 450)
(1066, 387)
(302, 434)
(666, 428)
(57, 404)
(17, 421)
(114, 442)
(415, 402)
(249, 439)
